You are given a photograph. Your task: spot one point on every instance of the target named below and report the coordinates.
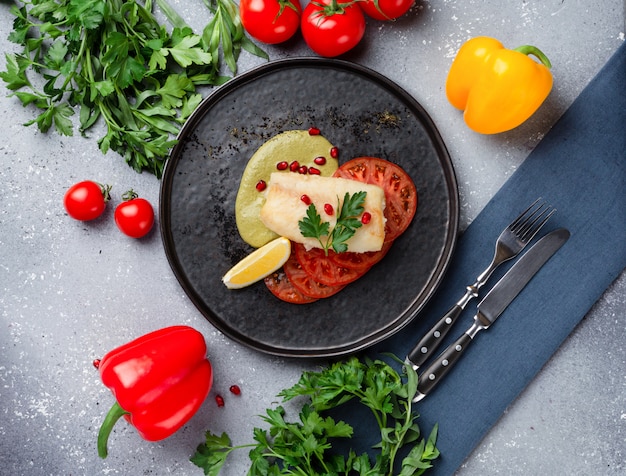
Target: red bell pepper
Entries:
(159, 381)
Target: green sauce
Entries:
(287, 147)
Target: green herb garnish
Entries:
(312, 226)
(304, 447)
(113, 61)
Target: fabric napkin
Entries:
(579, 167)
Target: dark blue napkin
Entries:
(579, 167)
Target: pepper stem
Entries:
(115, 413)
(533, 50)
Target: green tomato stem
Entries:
(129, 195)
(533, 50)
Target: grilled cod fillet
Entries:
(284, 208)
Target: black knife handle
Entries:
(441, 366)
(433, 338)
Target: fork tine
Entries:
(523, 216)
(531, 220)
(536, 224)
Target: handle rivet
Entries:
(437, 334)
(444, 362)
(431, 377)
(458, 348)
(423, 350)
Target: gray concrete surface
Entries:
(70, 291)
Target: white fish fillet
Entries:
(284, 208)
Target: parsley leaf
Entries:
(305, 447)
(311, 226)
(114, 62)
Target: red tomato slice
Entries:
(322, 269)
(360, 261)
(304, 283)
(400, 191)
(280, 286)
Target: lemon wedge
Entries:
(258, 264)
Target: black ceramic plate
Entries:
(363, 114)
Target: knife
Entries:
(490, 308)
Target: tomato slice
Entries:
(400, 191)
(321, 268)
(360, 261)
(279, 285)
(304, 283)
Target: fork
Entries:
(509, 244)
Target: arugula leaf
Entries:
(311, 226)
(224, 36)
(114, 62)
(305, 447)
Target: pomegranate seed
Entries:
(314, 171)
(334, 152)
(314, 131)
(261, 185)
(306, 199)
(302, 169)
(219, 400)
(321, 160)
(234, 389)
(294, 166)
(284, 165)
(366, 218)
(328, 208)
(96, 363)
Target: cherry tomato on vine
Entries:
(386, 9)
(332, 27)
(270, 21)
(134, 216)
(86, 200)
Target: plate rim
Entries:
(444, 159)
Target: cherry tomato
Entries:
(386, 9)
(86, 200)
(304, 283)
(332, 31)
(322, 269)
(134, 216)
(270, 21)
(279, 285)
(400, 192)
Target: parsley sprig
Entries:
(112, 60)
(305, 447)
(312, 226)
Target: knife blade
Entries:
(492, 306)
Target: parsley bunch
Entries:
(112, 60)
(305, 447)
(312, 226)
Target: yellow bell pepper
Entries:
(497, 88)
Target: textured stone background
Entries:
(69, 291)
